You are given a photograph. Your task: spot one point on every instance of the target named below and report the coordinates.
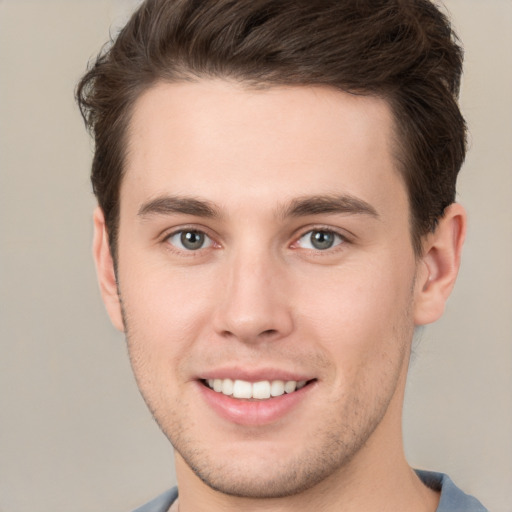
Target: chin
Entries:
(267, 471)
(276, 480)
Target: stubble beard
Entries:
(329, 451)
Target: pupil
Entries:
(322, 239)
(192, 239)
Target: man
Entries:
(276, 183)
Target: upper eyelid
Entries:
(166, 233)
(343, 233)
(323, 230)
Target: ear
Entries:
(105, 270)
(439, 265)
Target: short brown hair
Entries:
(404, 51)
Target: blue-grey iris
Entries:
(192, 240)
(322, 239)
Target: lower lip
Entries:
(253, 412)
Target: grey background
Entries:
(74, 433)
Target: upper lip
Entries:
(254, 374)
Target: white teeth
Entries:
(242, 389)
(277, 388)
(261, 390)
(290, 386)
(227, 387)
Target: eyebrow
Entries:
(167, 205)
(298, 207)
(327, 204)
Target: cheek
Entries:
(165, 312)
(161, 326)
(360, 313)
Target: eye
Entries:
(320, 240)
(189, 240)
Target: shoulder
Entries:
(160, 503)
(452, 498)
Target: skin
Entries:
(259, 296)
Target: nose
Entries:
(254, 304)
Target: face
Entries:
(267, 278)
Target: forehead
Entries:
(224, 141)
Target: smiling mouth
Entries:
(262, 390)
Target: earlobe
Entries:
(105, 270)
(439, 265)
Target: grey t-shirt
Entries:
(452, 498)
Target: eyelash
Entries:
(184, 250)
(342, 240)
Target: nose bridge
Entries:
(254, 301)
